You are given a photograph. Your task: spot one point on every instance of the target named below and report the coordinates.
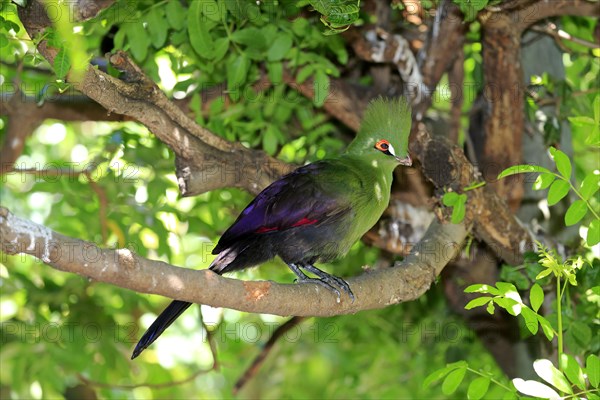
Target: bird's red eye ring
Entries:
(382, 145)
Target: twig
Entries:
(558, 34)
(253, 369)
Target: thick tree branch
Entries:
(541, 10)
(407, 281)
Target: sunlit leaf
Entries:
(521, 169)
(548, 372)
(478, 388)
(593, 233)
(592, 369)
(575, 212)
(563, 163)
(543, 181)
(453, 380)
(536, 297)
(535, 389)
(478, 302)
(572, 370)
(558, 190)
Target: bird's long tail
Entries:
(177, 307)
(164, 320)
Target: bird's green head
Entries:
(384, 131)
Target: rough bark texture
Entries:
(504, 106)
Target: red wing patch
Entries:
(265, 229)
(304, 221)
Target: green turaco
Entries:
(317, 212)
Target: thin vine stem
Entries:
(574, 189)
(559, 321)
(491, 379)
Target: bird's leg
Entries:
(302, 278)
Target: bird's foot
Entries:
(330, 282)
(321, 282)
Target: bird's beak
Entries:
(405, 161)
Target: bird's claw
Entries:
(329, 282)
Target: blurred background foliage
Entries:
(60, 331)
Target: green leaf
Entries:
(548, 372)
(236, 76)
(478, 388)
(199, 35)
(62, 63)
(536, 296)
(592, 369)
(558, 190)
(535, 389)
(458, 212)
(545, 272)
(509, 290)
(478, 302)
(522, 169)
(175, 14)
(482, 288)
(510, 305)
(543, 181)
(157, 27)
(251, 37)
(575, 212)
(221, 47)
(442, 372)
(275, 72)
(321, 87)
(546, 327)
(572, 370)
(490, 308)
(582, 121)
(593, 233)
(449, 199)
(563, 164)
(271, 140)
(280, 47)
(139, 40)
(589, 186)
(453, 380)
(213, 11)
(530, 318)
(582, 334)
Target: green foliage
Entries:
(560, 185)
(570, 375)
(458, 202)
(337, 15)
(470, 8)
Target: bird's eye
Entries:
(382, 145)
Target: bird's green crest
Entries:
(387, 119)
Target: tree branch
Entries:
(541, 10)
(195, 147)
(121, 267)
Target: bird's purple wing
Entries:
(297, 199)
